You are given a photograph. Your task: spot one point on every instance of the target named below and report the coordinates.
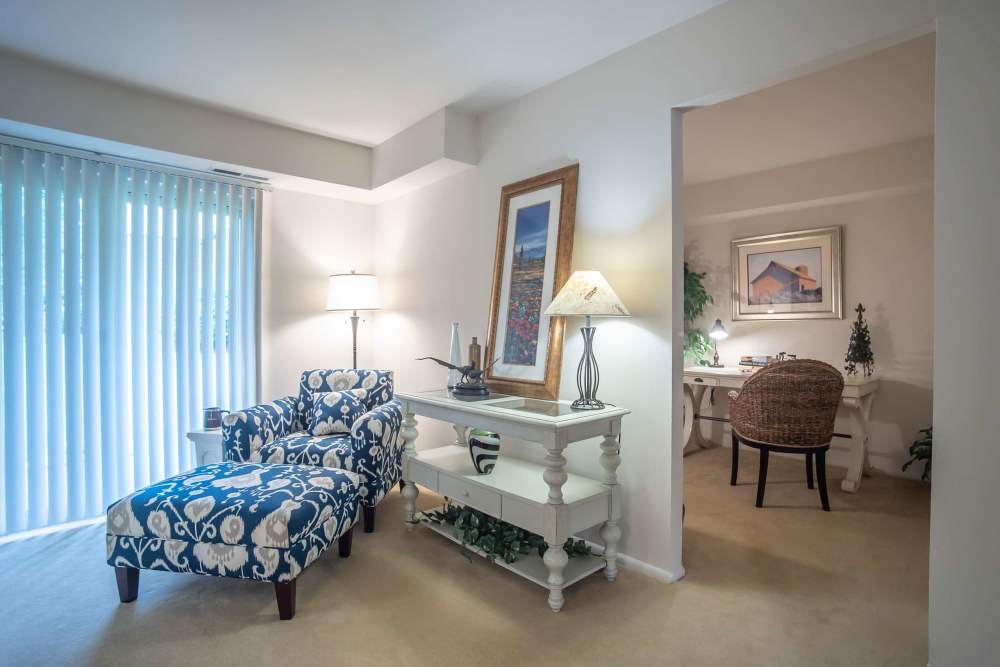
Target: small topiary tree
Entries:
(859, 348)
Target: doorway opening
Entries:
(801, 202)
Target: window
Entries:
(129, 304)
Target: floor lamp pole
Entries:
(354, 337)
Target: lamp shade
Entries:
(718, 332)
(587, 293)
(352, 291)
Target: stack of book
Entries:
(751, 362)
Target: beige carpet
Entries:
(786, 585)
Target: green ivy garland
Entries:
(496, 538)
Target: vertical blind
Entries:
(129, 304)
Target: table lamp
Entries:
(352, 291)
(717, 333)
(587, 293)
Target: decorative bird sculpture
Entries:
(472, 383)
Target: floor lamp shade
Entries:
(352, 291)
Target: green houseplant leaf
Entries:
(921, 450)
(697, 344)
(496, 538)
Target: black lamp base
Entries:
(588, 377)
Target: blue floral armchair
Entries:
(277, 433)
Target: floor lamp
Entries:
(352, 291)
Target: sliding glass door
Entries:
(129, 304)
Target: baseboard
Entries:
(640, 566)
(658, 573)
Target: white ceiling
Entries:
(360, 71)
(880, 99)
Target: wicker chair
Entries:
(788, 406)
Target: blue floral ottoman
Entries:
(243, 520)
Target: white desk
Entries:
(859, 393)
(543, 499)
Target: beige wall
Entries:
(305, 239)
(435, 247)
(888, 266)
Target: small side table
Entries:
(207, 445)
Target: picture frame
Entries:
(534, 251)
(789, 276)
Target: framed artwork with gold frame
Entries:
(533, 257)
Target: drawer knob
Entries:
(698, 380)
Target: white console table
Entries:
(543, 499)
(859, 393)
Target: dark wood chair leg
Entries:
(736, 460)
(344, 543)
(402, 485)
(821, 474)
(128, 583)
(368, 514)
(284, 591)
(809, 470)
(762, 476)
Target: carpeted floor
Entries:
(786, 585)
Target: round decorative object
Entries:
(484, 448)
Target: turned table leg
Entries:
(461, 435)
(610, 532)
(555, 474)
(555, 557)
(410, 492)
(555, 560)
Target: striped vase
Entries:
(484, 448)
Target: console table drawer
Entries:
(702, 380)
(469, 494)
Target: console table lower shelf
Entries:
(530, 566)
(517, 492)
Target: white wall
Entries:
(965, 531)
(433, 250)
(884, 200)
(57, 98)
(614, 118)
(305, 239)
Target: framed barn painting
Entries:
(533, 256)
(792, 276)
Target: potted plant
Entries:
(697, 344)
(921, 450)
